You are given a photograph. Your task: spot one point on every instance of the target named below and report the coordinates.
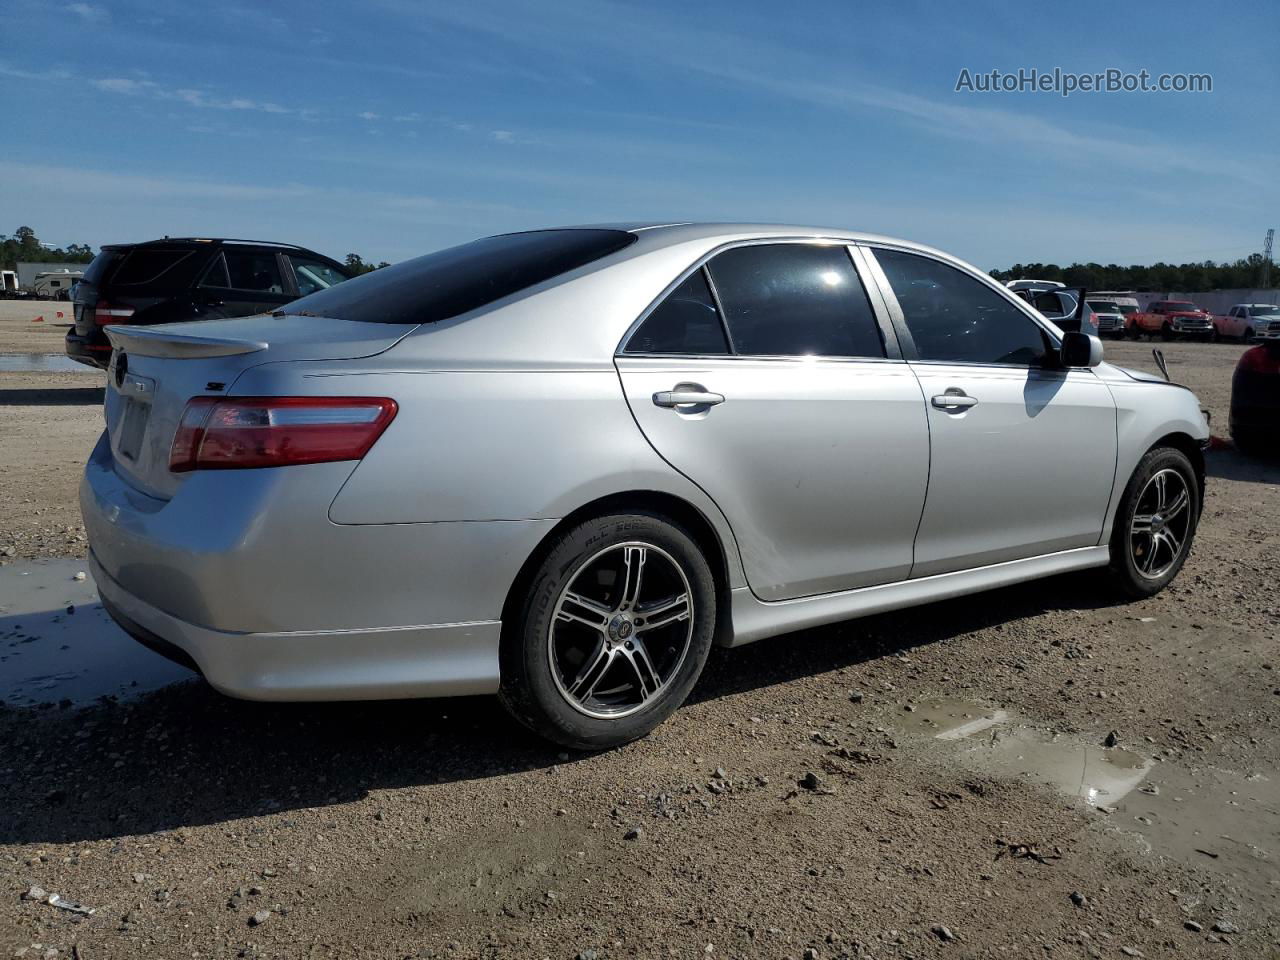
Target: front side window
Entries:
(955, 318)
(686, 322)
(795, 299)
(313, 275)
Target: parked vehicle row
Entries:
(559, 465)
(1120, 316)
(177, 280)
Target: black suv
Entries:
(172, 280)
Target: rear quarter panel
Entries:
(490, 445)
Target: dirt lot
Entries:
(950, 746)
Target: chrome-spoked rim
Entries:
(1161, 524)
(621, 630)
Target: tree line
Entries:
(1197, 277)
(25, 247)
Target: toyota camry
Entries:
(559, 465)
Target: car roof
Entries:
(202, 241)
(652, 235)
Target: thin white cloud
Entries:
(89, 12)
(7, 70)
(369, 115)
(125, 85)
(503, 136)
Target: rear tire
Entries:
(592, 662)
(1155, 523)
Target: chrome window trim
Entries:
(893, 353)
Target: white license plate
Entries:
(133, 426)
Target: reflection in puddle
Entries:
(57, 643)
(1225, 823)
(42, 363)
(1098, 775)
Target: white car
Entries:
(1250, 321)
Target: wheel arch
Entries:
(666, 505)
(1190, 446)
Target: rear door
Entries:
(1023, 455)
(240, 282)
(768, 377)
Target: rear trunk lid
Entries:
(155, 370)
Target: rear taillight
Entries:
(107, 313)
(1261, 359)
(222, 433)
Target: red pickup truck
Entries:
(1172, 318)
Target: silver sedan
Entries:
(559, 465)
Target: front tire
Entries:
(614, 630)
(1155, 523)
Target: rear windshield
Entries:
(453, 281)
(102, 264)
(133, 266)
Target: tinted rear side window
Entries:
(687, 322)
(452, 282)
(795, 299)
(146, 265)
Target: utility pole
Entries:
(1266, 258)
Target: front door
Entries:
(767, 379)
(1022, 455)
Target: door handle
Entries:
(954, 401)
(687, 394)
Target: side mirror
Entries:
(1080, 350)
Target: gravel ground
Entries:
(795, 808)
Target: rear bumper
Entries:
(435, 660)
(243, 572)
(92, 350)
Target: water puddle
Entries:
(1097, 775)
(42, 363)
(1225, 823)
(57, 643)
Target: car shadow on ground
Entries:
(186, 755)
(1234, 465)
(68, 397)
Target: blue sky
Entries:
(395, 127)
